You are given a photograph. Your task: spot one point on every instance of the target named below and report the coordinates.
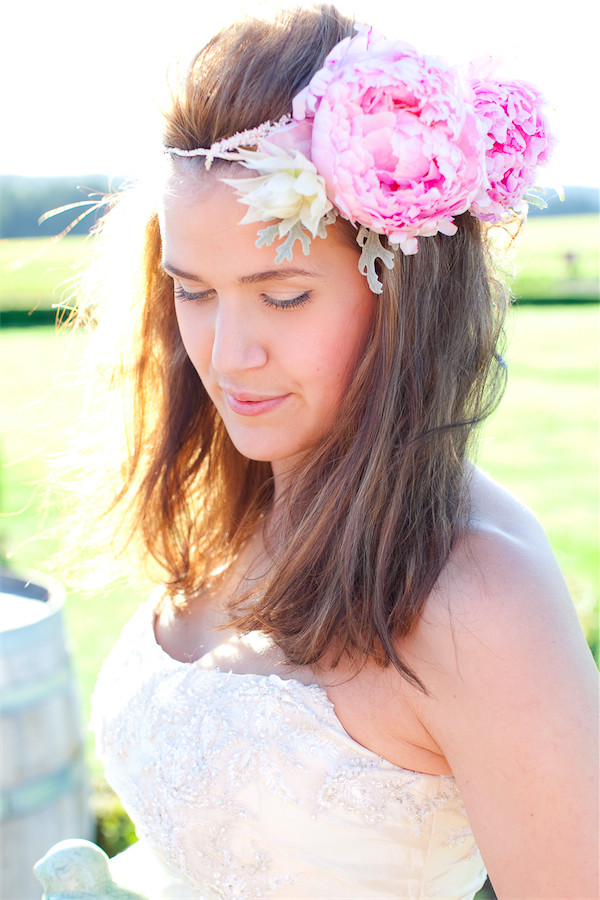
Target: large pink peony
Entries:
(517, 142)
(400, 150)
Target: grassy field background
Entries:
(557, 259)
(542, 442)
(37, 272)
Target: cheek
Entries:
(334, 355)
(352, 337)
(196, 336)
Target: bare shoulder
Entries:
(503, 574)
(512, 700)
(501, 609)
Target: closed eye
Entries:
(292, 303)
(181, 294)
(271, 302)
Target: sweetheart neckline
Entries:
(295, 684)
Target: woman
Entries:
(363, 670)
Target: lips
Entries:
(252, 405)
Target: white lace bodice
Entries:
(247, 786)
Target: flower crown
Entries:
(395, 142)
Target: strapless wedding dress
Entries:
(247, 786)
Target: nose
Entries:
(238, 344)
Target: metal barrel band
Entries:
(25, 798)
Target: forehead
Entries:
(186, 172)
(198, 212)
(188, 182)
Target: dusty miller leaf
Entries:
(328, 219)
(266, 236)
(372, 250)
(285, 250)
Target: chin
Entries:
(281, 459)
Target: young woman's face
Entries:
(275, 345)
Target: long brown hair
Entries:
(374, 511)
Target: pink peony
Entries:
(400, 150)
(517, 142)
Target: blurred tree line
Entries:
(576, 200)
(24, 200)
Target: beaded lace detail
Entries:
(249, 787)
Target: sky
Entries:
(80, 82)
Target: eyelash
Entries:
(292, 303)
(180, 294)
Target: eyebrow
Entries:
(279, 274)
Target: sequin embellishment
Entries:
(247, 786)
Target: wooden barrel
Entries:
(43, 785)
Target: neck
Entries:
(283, 472)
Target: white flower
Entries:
(288, 188)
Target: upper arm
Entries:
(513, 706)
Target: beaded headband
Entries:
(395, 142)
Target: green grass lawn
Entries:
(557, 258)
(39, 404)
(40, 268)
(543, 441)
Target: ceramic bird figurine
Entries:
(79, 870)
